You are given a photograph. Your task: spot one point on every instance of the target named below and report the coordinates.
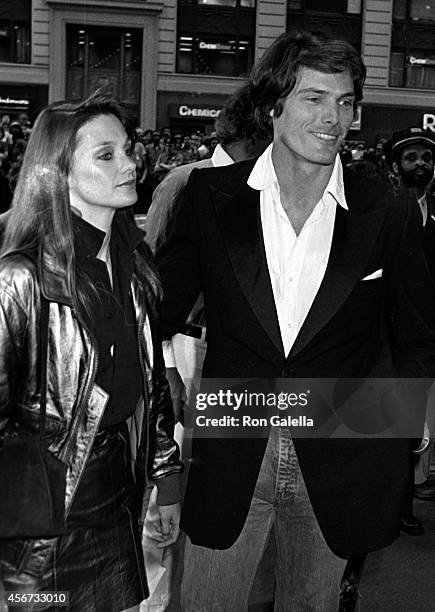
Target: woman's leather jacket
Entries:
(75, 403)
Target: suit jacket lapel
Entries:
(240, 223)
(355, 234)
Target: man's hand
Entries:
(178, 391)
(162, 524)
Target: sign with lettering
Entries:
(196, 112)
(216, 46)
(14, 101)
(356, 123)
(421, 61)
(429, 122)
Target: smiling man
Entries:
(307, 271)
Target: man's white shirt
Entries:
(422, 202)
(220, 157)
(296, 264)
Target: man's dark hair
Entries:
(236, 121)
(274, 76)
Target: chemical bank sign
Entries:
(186, 111)
(20, 102)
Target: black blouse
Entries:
(113, 322)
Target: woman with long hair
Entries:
(70, 241)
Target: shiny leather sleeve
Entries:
(17, 290)
(167, 452)
(164, 463)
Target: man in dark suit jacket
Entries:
(411, 156)
(307, 271)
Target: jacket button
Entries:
(287, 372)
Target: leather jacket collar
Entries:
(56, 280)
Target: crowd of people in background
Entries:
(369, 161)
(13, 140)
(157, 152)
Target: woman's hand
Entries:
(162, 524)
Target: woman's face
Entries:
(103, 173)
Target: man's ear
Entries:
(395, 167)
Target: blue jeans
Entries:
(307, 573)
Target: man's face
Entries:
(416, 165)
(316, 116)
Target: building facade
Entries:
(174, 63)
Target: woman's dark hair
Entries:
(274, 76)
(40, 215)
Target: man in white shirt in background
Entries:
(240, 138)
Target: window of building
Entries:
(341, 7)
(422, 10)
(339, 18)
(413, 69)
(15, 25)
(332, 6)
(216, 37)
(412, 60)
(212, 55)
(110, 58)
(400, 10)
(415, 10)
(231, 3)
